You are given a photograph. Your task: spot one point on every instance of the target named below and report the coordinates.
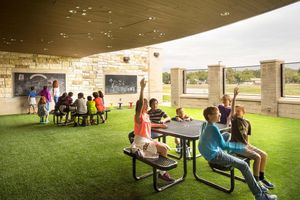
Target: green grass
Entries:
(166, 98)
(50, 162)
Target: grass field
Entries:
(51, 162)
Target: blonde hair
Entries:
(226, 97)
(209, 111)
(240, 107)
(178, 109)
(43, 100)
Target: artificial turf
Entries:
(52, 162)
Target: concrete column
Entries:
(215, 84)
(155, 74)
(270, 86)
(176, 85)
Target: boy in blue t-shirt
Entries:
(212, 146)
(31, 100)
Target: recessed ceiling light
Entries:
(12, 39)
(77, 7)
(83, 14)
(109, 11)
(110, 22)
(73, 11)
(84, 10)
(90, 8)
(89, 21)
(45, 49)
(21, 40)
(68, 17)
(109, 46)
(224, 14)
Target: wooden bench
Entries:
(223, 170)
(160, 163)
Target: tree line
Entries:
(233, 76)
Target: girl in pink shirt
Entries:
(142, 133)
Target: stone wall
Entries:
(268, 103)
(82, 74)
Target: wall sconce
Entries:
(126, 59)
(156, 54)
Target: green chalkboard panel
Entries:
(23, 82)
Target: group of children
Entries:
(65, 104)
(212, 144)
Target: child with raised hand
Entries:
(180, 116)
(31, 100)
(143, 143)
(42, 110)
(240, 130)
(212, 146)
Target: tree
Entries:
(166, 76)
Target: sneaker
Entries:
(262, 187)
(188, 152)
(166, 177)
(178, 149)
(267, 184)
(270, 196)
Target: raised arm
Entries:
(141, 101)
(235, 93)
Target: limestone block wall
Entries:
(82, 74)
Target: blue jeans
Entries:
(226, 159)
(155, 135)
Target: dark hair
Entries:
(55, 84)
(45, 87)
(64, 95)
(80, 95)
(95, 94)
(101, 95)
(32, 88)
(70, 94)
(152, 101)
(42, 100)
(89, 98)
(209, 111)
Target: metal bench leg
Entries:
(228, 175)
(198, 178)
(134, 171)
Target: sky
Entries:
(273, 35)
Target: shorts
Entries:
(32, 101)
(251, 152)
(146, 147)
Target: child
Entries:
(81, 108)
(240, 129)
(91, 107)
(101, 95)
(31, 100)
(212, 146)
(55, 91)
(181, 116)
(42, 110)
(143, 142)
(45, 92)
(225, 110)
(156, 116)
(99, 105)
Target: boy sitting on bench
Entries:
(212, 146)
(240, 129)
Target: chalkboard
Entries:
(23, 82)
(120, 84)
